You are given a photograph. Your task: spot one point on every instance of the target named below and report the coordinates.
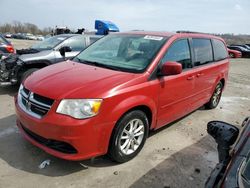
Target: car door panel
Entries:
(176, 91)
(175, 96)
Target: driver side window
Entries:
(179, 52)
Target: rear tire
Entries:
(129, 136)
(27, 73)
(215, 99)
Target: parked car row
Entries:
(243, 49)
(106, 99)
(26, 36)
(5, 46)
(234, 53)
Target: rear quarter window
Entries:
(202, 51)
(220, 51)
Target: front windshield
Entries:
(131, 53)
(49, 43)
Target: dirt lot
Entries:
(180, 155)
(19, 44)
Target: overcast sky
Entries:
(214, 16)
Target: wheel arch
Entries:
(143, 103)
(36, 64)
(32, 64)
(143, 108)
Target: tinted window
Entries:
(220, 51)
(76, 43)
(235, 48)
(202, 51)
(179, 52)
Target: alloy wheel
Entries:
(217, 95)
(131, 136)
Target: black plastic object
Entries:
(64, 49)
(225, 136)
(27, 51)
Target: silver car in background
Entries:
(15, 68)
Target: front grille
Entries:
(26, 91)
(44, 100)
(34, 104)
(53, 144)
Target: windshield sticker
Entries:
(153, 37)
(60, 38)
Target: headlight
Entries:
(79, 108)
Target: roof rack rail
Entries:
(183, 31)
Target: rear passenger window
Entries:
(220, 51)
(202, 51)
(179, 52)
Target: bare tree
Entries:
(19, 27)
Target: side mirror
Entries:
(64, 49)
(225, 136)
(171, 68)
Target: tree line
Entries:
(19, 27)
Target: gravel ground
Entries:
(179, 155)
(19, 44)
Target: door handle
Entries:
(199, 74)
(190, 78)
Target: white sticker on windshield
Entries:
(153, 37)
(60, 38)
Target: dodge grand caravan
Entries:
(108, 97)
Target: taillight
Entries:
(10, 49)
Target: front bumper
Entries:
(8, 75)
(78, 139)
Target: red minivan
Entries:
(107, 98)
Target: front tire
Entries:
(215, 99)
(129, 136)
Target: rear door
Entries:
(205, 72)
(209, 58)
(176, 92)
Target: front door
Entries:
(176, 92)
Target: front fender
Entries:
(129, 103)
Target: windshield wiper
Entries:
(97, 64)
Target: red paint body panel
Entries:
(168, 98)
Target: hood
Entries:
(76, 80)
(35, 56)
